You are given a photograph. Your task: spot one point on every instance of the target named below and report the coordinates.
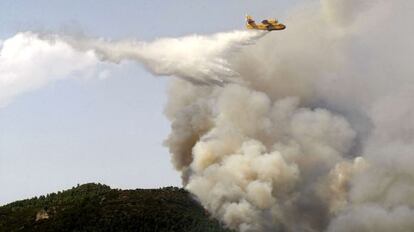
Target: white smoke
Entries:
(308, 129)
(27, 62)
(319, 135)
(198, 59)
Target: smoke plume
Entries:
(319, 134)
(309, 129)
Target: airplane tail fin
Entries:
(249, 19)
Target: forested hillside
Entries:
(96, 207)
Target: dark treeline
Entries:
(96, 207)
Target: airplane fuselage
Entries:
(265, 25)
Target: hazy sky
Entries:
(102, 130)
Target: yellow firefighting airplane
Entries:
(266, 25)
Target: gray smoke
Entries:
(308, 129)
(319, 135)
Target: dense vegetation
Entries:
(96, 207)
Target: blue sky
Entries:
(102, 130)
